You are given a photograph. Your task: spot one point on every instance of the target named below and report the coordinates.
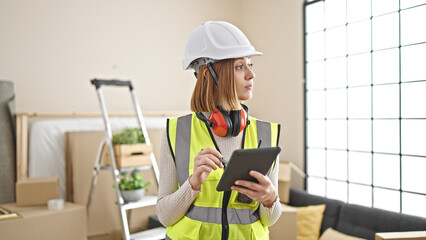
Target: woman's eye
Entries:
(250, 65)
(239, 67)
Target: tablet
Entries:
(242, 161)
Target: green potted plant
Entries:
(128, 136)
(131, 186)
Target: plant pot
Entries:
(133, 195)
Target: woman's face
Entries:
(244, 76)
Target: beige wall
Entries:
(276, 29)
(51, 49)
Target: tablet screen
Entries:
(242, 161)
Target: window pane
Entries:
(413, 99)
(316, 133)
(412, 63)
(316, 162)
(359, 10)
(360, 195)
(360, 167)
(359, 102)
(386, 31)
(335, 73)
(337, 190)
(384, 6)
(335, 13)
(386, 66)
(315, 17)
(386, 101)
(411, 25)
(411, 3)
(336, 103)
(386, 199)
(413, 204)
(359, 135)
(315, 104)
(413, 174)
(359, 37)
(413, 137)
(386, 136)
(359, 69)
(316, 186)
(315, 46)
(336, 134)
(386, 170)
(335, 42)
(315, 75)
(337, 165)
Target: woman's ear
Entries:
(205, 72)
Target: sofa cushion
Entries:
(309, 220)
(365, 221)
(331, 214)
(331, 234)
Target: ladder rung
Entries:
(146, 201)
(150, 234)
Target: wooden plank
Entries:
(414, 235)
(112, 114)
(21, 146)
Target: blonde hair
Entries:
(207, 95)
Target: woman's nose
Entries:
(250, 74)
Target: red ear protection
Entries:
(224, 124)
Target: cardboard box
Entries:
(416, 235)
(284, 177)
(286, 226)
(37, 191)
(103, 218)
(39, 223)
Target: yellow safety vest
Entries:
(206, 217)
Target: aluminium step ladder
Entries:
(123, 206)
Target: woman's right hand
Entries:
(206, 160)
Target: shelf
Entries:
(127, 169)
(146, 201)
(150, 234)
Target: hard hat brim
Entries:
(186, 63)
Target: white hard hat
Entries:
(213, 41)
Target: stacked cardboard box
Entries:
(37, 191)
(284, 178)
(39, 223)
(286, 226)
(103, 220)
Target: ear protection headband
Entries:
(224, 124)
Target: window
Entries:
(365, 95)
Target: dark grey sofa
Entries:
(356, 220)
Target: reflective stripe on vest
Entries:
(187, 135)
(183, 131)
(214, 215)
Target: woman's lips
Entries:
(250, 86)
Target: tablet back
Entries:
(243, 161)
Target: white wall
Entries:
(51, 49)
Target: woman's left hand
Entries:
(263, 192)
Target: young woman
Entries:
(194, 146)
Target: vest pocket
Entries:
(185, 229)
(259, 231)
